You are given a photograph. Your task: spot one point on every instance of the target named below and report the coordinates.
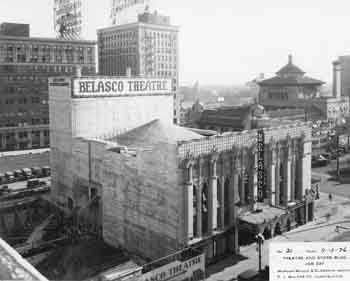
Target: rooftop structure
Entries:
(289, 88)
(14, 29)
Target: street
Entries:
(331, 223)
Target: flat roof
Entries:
(267, 213)
(137, 24)
(48, 40)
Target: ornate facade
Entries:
(222, 190)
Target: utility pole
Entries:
(338, 155)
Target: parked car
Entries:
(319, 161)
(4, 189)
(46, 171)
(10, 177)
(19, 176)
(34, 183)
(3, 179)
(27, 173)
(37, 172)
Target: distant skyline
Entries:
(224, 41)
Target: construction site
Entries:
(51, 241)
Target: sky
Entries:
(227, 41)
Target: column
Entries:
(199, 209)
(232, 196)
(292, 183)
(189, 203)
(199, 199)
(277, 181)
(287, 179)
(306, 167)
(212, 199)
(299, 173)
(222, 201)
(273, 179)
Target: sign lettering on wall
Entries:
(177, 270)
(84, 88)
(191, 269)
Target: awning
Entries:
(265, 214)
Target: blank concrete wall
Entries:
(142, 202)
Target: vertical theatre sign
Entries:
(68, 19)
(261, 165)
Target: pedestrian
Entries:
(330, 196)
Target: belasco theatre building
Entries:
(154, 188)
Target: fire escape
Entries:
(149, 56)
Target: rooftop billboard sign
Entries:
(126, 11)
(68, 19)
(109, 87)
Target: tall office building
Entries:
(341, 76)
(149, 47)
(25, 65)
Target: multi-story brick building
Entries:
(25, 65)
(148, 47)
(164, 187)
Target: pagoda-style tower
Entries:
(290, 88)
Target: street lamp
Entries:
(260, 241)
